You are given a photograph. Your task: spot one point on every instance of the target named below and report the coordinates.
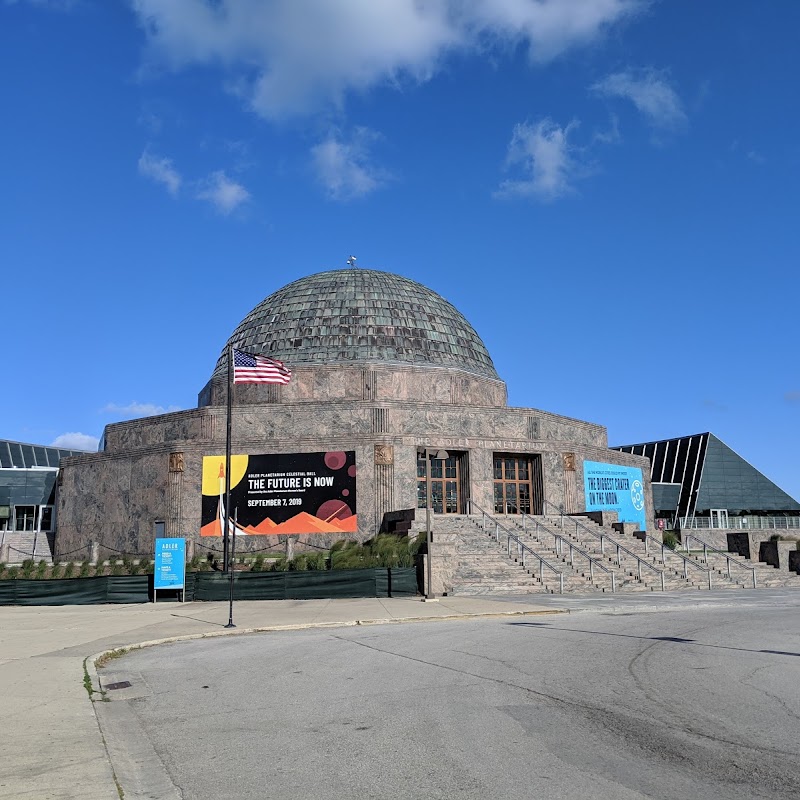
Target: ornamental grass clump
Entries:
(385, 550)
(69, 569)
(670, 540)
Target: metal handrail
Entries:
(521, 547)
(686, 560)
(620, 547)
(560, 541)
(728, 558)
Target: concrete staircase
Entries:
(767, 576)
(634, 577)
(483, 566)
(486, 565)
(21, 546)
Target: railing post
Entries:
(591, 570)
(602, 545)
(709, 580)
(571, 556)
(496, 531)
(541, 571)
(561, 583)
(525, 523)
(729, 567)
(754, 577)
(662, 583)
(613, 582)
(484, 520)
(639, 568)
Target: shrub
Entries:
(119, 568)
(56, 571)
(69, 570)
(84, 570)
(279, 565)
(12, 573)
(670, 540)
(258, 563)
(27, 567)
(385, 550)
(41, 569)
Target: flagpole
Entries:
(233, 566)
(227, 515)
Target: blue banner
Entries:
(611, 487)
(170, 569)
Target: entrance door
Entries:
(445, 483)
(719, 517)
(517, 484)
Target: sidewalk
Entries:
(51, 743)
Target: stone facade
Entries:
(151, 468)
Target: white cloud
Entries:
(135, 409)
(76, 441)
(344, 167)
(161, 171)
(288, 57)
(549, 163)
(225, 194)
(650, 91)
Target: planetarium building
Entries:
(392, 395)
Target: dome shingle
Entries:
(360, 315)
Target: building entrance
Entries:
(448, 481)
(518, 484)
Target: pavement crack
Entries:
(499, 681)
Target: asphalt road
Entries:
(697, 702)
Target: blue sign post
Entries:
(170, 568)
(611, 487)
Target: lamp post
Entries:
(441, 455)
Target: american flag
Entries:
(249, 368)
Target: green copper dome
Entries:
(360, 315)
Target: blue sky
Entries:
(607, 189)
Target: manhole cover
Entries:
(119, 685)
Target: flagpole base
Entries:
(230, 625)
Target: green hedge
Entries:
(376, 582)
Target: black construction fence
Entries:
(306, 585)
